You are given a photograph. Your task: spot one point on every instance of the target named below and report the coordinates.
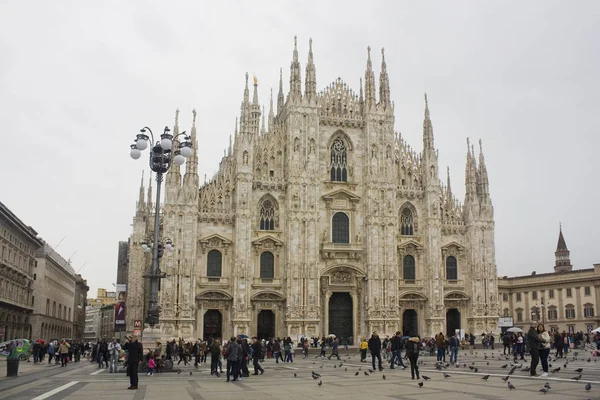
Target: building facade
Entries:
(565, 300)
(92, 324)
(18, 245)
(322, 221)
(107, 322)
(54, 287)
(79, 307)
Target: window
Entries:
(569, 292)
(214, 261)
(519, 316)
(408, 268)
(48, 307)
(505, 313)
(339, 161)
(535, 314)
(504, 296)
(340, 231)
(588, 310)
(570, 312)
(552, 313)
(267, 265)
(534, 295)
(451, 269)
(33, 300)
(54, 309)
(267, 216)
(518, 296)
(587, 291)
(551, 293)
(406, 223)
(69, 314)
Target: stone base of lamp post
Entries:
(149, 337)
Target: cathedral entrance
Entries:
(213, 324)
(340, 315)
(452, 321)
(266, 325)
(410, 323)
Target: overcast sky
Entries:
(78, 79)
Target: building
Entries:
(79, 307)
(103, 298)
(322, 221)
(107, 322)
(564, 300)
(123, 263)
(54, 287)
(92, 324)
(19, 244)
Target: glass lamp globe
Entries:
(179, 159)
(186, 151)
(135, 153)
(166, 143)
(141, 144)
(169, 247)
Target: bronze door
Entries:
(410, 323)
(452, 321)
(340, 315)
(266, 325)
(213, 324)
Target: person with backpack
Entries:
(412, 353)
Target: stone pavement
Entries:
(84, 380)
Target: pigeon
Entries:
(485, 377)
(420, 384)
(588, 386)
(512, 370)
(511, 386)
(576, 378)
(446, 375)
(505, 378)
(320, 382)
(190, 372)
(547, 385)
(580, 370)
(589, 360)
(476, 369)
(335, 366)
(178, 372)
(555, 370)
(345, 369)
(295, 375)
(471, 368)
(426, 377)
(544, 390)
(366, 373)
(504, 366)
(370, 370)
(217, 374)
(383, 376)
(356, 374)
(315, 374)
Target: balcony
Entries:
(412, 283)
(349, 251)
(451, 284)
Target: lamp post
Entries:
(162, 157)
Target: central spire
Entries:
(295, 79)
(369, 82)
(384, 83)
(427, 129)
(311, 76)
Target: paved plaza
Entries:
(84, 381)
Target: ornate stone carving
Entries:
(341, 277)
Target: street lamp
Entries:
(162, 156)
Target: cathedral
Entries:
(320, 220)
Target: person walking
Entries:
(135, 355)
(364, 346)
(396, 349)
(453, 344)
(334, 349)
(544, 348)
(375, 348)
(232, 353)
(534, 343)
(114, 349)
(63, 351)
(215, 356)
(412, 353)
(257, 356)
(440, 343)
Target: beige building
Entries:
(564, 300)
(18, 245)
(325, 220)
(103, 298)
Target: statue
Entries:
(359, 237)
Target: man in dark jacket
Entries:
(135, 355)
(232, 353)
(535, 343)
(397, 345)
(257, 356)
(243, 359)
(375, 349)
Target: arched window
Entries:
(506, 312)
(340, 232)
(339, 161)
(267, 216)
(406, 222)
(214, 261)
(451, 269)
(267, 265)
(408, 268)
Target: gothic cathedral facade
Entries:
(324, 221)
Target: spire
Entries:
(470, 178)
(280, 98)
(191, 165)
(384, 83)
(246, 92)
(369, 82)
(448, 187)
(149, 196)
(230, 149)
(271, 114)
(263, 128)
(141, 201)
(311, 75)
(483, 175)
(427, 129)
(295, 80)
(255, 94)
(562, 255)
(236, 127)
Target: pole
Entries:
(153, 311)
